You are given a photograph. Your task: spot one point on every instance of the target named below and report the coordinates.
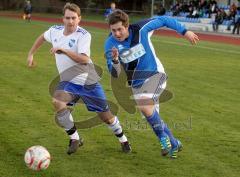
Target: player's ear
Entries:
(126, 26)
(80, 17)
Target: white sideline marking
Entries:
(198, 46)
(189, 45)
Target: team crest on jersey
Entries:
(71, 42)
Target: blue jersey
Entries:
(108, 12)
(143, 62)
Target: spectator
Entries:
(236, 25)
(233, 8)
(218, 20)
(212, 8)
(161, 10)
(202, 6)
(193, 13)
(185, 7)
(177, 10)
(231, 17)
(27, 11)
(110, 10)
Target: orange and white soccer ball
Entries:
(37, 158)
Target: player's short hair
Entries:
(118, 16)
(72, 7)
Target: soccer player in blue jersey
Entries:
(129, 47)
(110, 10)
(79, 81)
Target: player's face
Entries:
(119, 31)
(71, 20)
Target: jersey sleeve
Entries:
(163, 21)
(84, 44)
(47, 35)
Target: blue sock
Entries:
(173, 140)
(157, 124)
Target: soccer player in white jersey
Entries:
(129, 47)
(71, 47)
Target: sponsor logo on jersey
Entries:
(133, 53)
(120, 47)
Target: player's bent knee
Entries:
(109, 120)
(147, 111)
(62, 96)
(106, 117)
(58, 105)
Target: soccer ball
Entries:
(37, 158)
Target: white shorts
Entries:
(151, 88)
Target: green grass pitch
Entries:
(203, 114)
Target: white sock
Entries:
(74, 136)
(122, 139)
(117, 130)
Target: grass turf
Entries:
(203, 113)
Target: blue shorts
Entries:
(92, 95)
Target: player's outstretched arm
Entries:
(192, 37)
(39, 41)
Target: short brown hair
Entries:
(118, 16)
(72, 7)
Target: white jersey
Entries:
(79, 42)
